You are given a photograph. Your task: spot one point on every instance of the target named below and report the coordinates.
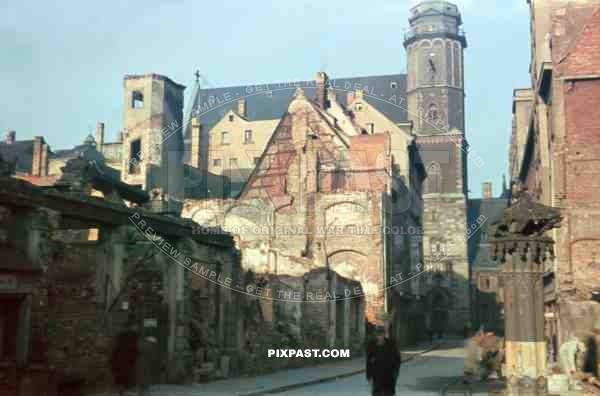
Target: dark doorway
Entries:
(340, 323)
(439, 314)
(9, 321)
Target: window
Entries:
(394, 84)
(230, 117)
(371, 128)
(233, 162)
(137, 100)
(135, 153)
(448, 267)
(432, 112)
(225, 138)
(434, 178)
(358, 107)
(217, 162)
(247, 137)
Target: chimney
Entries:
(36, 162)
(10, 137)
(322, 82)
(195, 159)
(99, 135)
(242, 107)
(486, 190)
(44, 160)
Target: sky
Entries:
(62, 63)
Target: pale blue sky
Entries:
(62, 62)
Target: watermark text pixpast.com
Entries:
(308, 353)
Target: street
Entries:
(426, 375)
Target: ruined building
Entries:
(231, 128)
(553, 156)
(80, 266)
(346, 200)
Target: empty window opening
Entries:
(394, 84)
(135, 156)
(137, 100)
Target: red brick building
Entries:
(559, 142)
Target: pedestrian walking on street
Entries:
(123, 360)
(383, 364)
(147, 366)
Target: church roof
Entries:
(270, 101)
(479, 249)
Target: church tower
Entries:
(435, 87)
(435, 99)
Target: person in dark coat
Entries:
(123, 360)
(383, 364)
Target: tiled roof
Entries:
(270, 101)
(492, 210)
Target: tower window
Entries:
(432, 113)
(135, 153)
(434, 178)
(247, 137)
(231, 117)
(394, 84)
(137, 100)
(225, 138)
(217, 162)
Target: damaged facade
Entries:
(554, 157)
(340, 209)
(230, 128)
(80, 267)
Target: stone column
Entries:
(525, 345)
(520, 243)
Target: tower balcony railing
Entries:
(433, 29)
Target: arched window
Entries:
(433, 184)
(432, 113)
